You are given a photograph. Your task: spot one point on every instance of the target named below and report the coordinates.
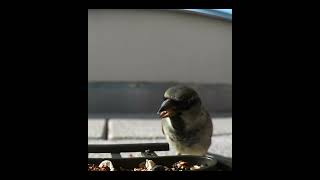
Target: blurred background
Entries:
(135, 55)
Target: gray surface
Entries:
(151, 128)
(96, 128)
(158, 46)
(134, 129)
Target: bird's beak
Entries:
(166, 109)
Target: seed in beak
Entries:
(165, 114)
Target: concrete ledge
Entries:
(96, 128)
(135, 128)
(151, 128)
(222, 145)
(222, 126)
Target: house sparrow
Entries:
(186, 124)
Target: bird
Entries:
(186, 123)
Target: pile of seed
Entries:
(148, 165)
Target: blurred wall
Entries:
(158, 46)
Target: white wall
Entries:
(157, 46)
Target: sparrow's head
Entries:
(178, 99)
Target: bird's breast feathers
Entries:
(187, 126)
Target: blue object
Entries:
(220, 13)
